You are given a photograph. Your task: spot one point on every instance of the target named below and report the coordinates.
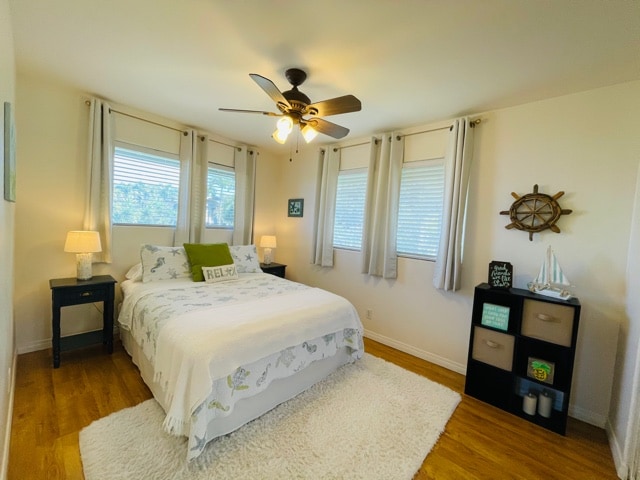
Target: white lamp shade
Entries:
(83, 241)
(308, 133)
(268, 241)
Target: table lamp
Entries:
(268, 242)
(83, 243)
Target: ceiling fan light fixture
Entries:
(284, 127)
(279, 137)
(309, 133)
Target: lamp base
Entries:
(84, 266)
(268, 256)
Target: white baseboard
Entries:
(622, 468)
(578, 413)
(587, 416)
(34, 346)
(4, 466)
(46, 343)
(416, 352)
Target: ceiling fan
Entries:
(296, 108)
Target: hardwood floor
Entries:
(480, 441)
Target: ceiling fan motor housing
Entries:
(298, 101)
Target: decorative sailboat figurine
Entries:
(550, 280)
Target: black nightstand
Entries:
(276, 269)
(71, 291)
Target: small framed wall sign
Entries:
(296, 207)
(541, 370)
(500, 275)
(9, 154)
(495, 316)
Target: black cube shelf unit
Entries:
(522, 343)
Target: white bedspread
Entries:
(204, 343)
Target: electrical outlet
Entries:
(369, 314)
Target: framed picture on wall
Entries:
(296, 207)
(9, 154)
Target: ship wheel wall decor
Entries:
(535, 212)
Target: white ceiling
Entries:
(410, 62)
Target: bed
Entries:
(218, 355)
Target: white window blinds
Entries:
(420, 208)
(349, 215)
(221, 194)
(145, 187)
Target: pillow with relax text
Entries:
(222, 273)
(206, 255)
(163, 263)
(246, 258)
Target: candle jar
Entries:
(544, 404)
(529, 403)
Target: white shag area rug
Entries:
(368, 420)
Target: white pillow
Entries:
(163, 263)
(246, 258)
(134, 273)
(222, 273)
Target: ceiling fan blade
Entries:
(270, 114)
(328, 128)
(270, 88)
(334, 106)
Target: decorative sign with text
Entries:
(495, 316)
(500, 275)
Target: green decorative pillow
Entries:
(206, 255)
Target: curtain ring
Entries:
(398, 137)
(185, 133)
(335, 149)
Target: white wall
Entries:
(584, 144)
(7, 212)
(624, 418)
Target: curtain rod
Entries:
(225, 144)
(88, 103)
(472, 123)
(335, 149)
(111, 109)
(145, 120)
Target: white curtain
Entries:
(379, 256)
(97, 216)
(326, 206)
(193, 186)
(187, 167)
(245, 171)
(457, 168)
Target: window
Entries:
(145, 187)
(221, 196)
(420, 209)
(349, 215)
